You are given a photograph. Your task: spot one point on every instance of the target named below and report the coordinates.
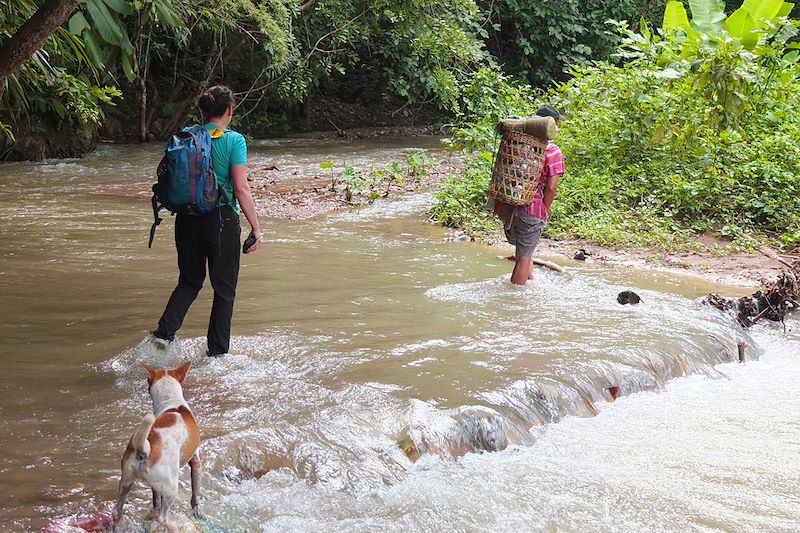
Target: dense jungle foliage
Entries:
(286, 59)
(687, 129)
(677, 124)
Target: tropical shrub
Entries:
(61, 79)
(538, 42)
(164, 53)
(487, 97)
(691, 130)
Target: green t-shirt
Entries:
(228, 149)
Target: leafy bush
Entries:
(460, 201)
(687, 133)
(487, 98)
(540, 41)
(694, 133)
(51, 83)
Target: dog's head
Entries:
(166, 383)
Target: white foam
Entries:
(703, 454)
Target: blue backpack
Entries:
(186, 180)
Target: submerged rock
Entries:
(581, 255)
(629, 297)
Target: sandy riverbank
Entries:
(718, 264)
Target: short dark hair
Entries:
(549, 111)
(215, 101)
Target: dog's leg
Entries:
(195, 465)
(125, 486)
(153, 514)
(167, 497)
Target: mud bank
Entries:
(719, 264)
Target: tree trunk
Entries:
(306, 105)
(142, 110)
(32, 35)
(141, 68)
(213, 63)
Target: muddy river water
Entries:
(360, 338)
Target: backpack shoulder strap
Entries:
(156, 221)
(162, 166)
(218, 133)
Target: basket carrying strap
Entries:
(501, 210)
(511, 219)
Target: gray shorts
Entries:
(522, 230)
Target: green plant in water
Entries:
(378, 182)
(354, 182)
(328, 165)
(418, 165)
(394, 176)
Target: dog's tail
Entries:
(139, 439)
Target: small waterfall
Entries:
(668, 338)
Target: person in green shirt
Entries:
(213, 240)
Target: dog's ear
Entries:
(151, 373)
(180, 372)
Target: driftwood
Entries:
(540, 262)
(547, 264)
(772, 302)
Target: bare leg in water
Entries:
(523, 270)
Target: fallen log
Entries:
(547, 264)
(772, 255)
(772, 302)
(537, 261)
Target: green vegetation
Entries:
(538, 42)
(161, 54)
(692, 129)
(360, 187)
(152, 58)
(488, 98)
(686, 128)
(60, 78)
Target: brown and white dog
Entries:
(165, 441)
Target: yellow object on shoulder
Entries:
(216, 133)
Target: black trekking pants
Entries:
(213, 239)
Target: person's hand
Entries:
(252, 242)
(259, 238)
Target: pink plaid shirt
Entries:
(552, 167)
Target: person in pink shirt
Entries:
(523, 225)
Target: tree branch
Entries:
(32, 35)
(308, 5)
